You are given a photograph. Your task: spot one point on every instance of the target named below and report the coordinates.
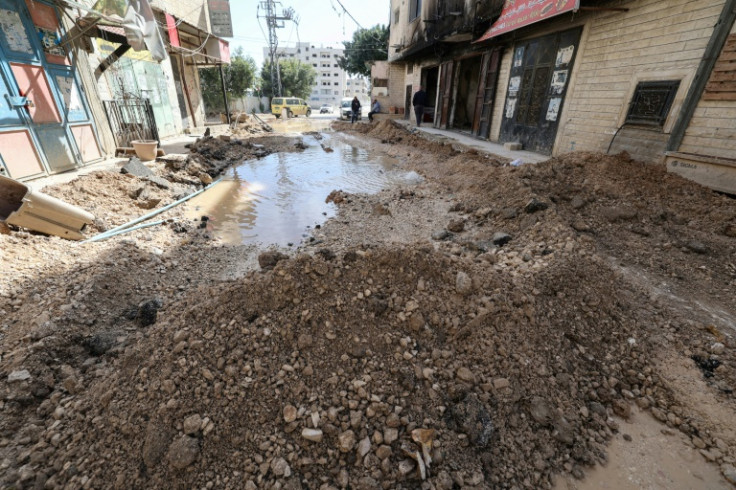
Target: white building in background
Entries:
(358, 87)
(329, 85)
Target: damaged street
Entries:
(420, 314)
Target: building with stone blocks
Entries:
(655, 79)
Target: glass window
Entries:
(415, 9)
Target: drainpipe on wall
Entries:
(720, 33)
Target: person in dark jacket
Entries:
(355, 108)
(419, 101)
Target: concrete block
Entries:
(513, 146)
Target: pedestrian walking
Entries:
(374, 110)
(419, 101)
(355, 108)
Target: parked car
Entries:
(326, 109)
(346, 111)
(294, 107)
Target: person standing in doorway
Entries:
(355, 109)
(419, 101)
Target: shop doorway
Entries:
(468, 78)
(45, 123)
(430, 77)
(540, 73)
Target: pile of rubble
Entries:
(502, 348)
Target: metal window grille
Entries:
(131, 119)
(652, 102)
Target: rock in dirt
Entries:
(381, 210)
(268, 260)
(183, 452)
(148, 312)
(535, 205)
(729, 473)
(465, 374)
(470, 416)
(336, 196)
(20, 375)
(619, 213)
(346, 441)
(280, 468)
(98, 344)
(440, 235)
(137, 168)
(541, 411)
(500, 238)
(314, 435)
(463, 283)
(158, 181)
(456, 225)
(155, 444)
(697, 247)
(192, 424)
(290, 413)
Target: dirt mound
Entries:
(319, 371)
(556, 296)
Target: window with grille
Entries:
(652, 102)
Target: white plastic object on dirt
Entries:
(23, 207)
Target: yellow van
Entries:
(293, 106)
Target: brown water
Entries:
(275, 200)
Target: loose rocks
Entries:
(183, 451)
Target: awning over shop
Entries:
(204, 48)
(134, 16)
(520, 13)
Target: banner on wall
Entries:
(520, 13)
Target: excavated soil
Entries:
(519, 313)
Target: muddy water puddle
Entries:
(275, 200)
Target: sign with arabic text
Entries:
(221, 22)
(520, 13)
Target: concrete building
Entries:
(171, 87)
(330, 83)
(51, 116)
(72, 90)
(652, 78)
(358, 87)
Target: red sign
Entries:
(173, 32)
(520, 13)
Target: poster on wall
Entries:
(510, 108)
(514, 84)
(14, 32)
(564, 56)
(559, 79)
(554, 108)
(519, 56)
(69, 93)
(50, 41)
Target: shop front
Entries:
(45, 121)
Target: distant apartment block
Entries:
(330, 84)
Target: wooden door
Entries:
(486, 93)
(446, 73)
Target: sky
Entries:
(321, 23)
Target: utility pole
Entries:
(275, 21)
